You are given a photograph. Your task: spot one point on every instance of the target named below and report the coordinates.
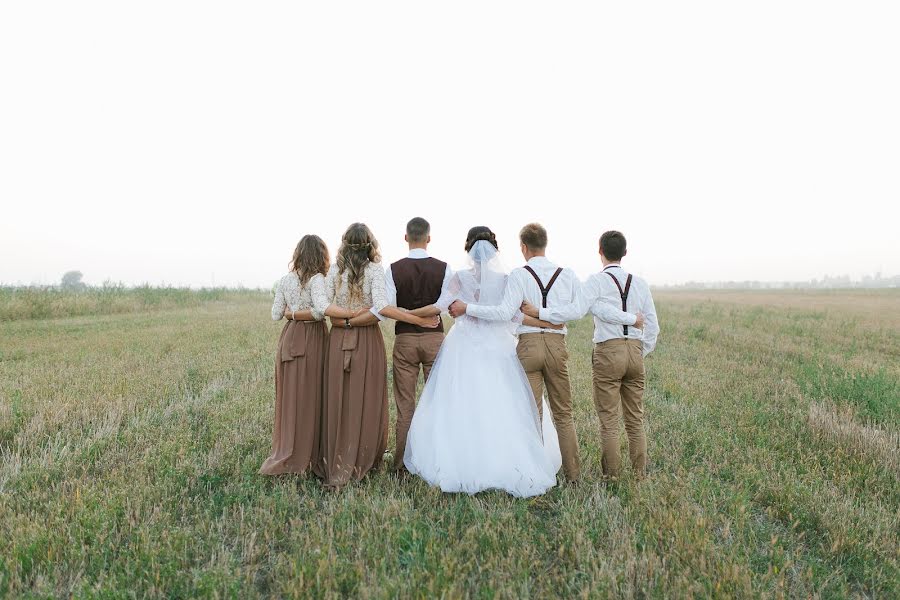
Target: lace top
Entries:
(313, 296)
(374, 293)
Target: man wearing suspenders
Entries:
(543, 352)
(619, 350)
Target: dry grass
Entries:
(877, 308)
(840, 424)
(129, 445)
(18, 303)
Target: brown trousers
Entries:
(618, 375)
(411, 351)
(544, 357)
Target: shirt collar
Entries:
(418, 253)
(538, 260)
(611, 265)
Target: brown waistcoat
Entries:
(418, 282)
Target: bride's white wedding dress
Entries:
(476, 426)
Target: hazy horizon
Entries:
(193, 144)
(824, 281)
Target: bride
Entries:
(476, 426)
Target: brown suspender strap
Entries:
(544, 290)
(623, 294)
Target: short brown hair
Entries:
(417, 230)
(534, 236)
(612, 243)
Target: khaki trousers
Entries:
(618, 374)
(411, 351)
(544, 357)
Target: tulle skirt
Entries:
(476, 426)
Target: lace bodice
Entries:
(374, 293)
(289, 293)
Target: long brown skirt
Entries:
(299, 370)
(355, 416)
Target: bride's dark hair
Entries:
(480, 232)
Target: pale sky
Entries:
(196, 142)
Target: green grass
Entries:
(129, 445)
(17, 303)
(875, 395)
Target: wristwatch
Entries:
(347, 324)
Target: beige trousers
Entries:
(544, 357)
(411, 351)
(618, 374)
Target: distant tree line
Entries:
(826, 283)
(72, 281)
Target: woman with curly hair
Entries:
(302, 298)
(355, 410)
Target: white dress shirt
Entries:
(521, 286)
(600, 292)
(415, 253)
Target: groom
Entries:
(542, 352)
(414, 282)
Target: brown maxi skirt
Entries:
(355, 414)
(299, 367)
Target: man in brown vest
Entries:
(542, 351)
(414, 282)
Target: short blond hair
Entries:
(534, 236)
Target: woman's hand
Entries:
(429, 322)
(299, 315)
(457, 309)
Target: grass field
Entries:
(130, 442)
(52, 302)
